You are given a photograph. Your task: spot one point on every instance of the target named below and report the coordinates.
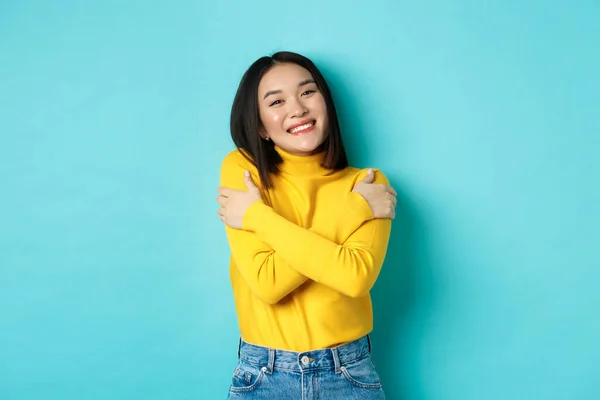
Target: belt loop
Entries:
(271, 362)
(369, 341)
(336, 360)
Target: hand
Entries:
(234, 203)
(381, 198)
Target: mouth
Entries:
(303, 128)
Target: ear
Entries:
(263, 134)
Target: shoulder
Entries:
(236, 158)
(360, 174)
(232, 170)
(236, 161)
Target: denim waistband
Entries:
(330, 358)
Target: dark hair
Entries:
(245, 119)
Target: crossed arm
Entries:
(276, 256)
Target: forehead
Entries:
(283, 76)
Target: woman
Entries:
(307, 240)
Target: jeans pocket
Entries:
(246, 377)
(362, 374)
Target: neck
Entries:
(302, 165)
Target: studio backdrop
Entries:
(114, 280)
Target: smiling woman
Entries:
(299, 98)
(308, 236)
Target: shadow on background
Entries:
(393, 298)
(394, 295)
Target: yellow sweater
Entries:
(302, 267)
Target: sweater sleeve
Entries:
(268, 275)
(350, 267)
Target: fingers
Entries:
(221, 213)
(248, 181)
(225, 191)
(222, 200)
(370, 177)
(228, 192)
(391, 213)
(391, 190)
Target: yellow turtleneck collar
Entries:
(301, 165)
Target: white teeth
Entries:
(302, 127)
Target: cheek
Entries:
(270, 120)
(323, 111)
(320, 105)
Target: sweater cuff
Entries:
(358, 209)
(254, 215)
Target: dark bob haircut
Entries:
(245, 120)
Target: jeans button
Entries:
(305, 360)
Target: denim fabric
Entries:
(344, 372)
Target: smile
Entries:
(304, 128)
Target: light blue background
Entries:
(114, 120)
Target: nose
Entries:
(297, 109)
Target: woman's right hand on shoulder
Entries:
(381, 198)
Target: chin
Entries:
(306, 145)
(309, 149)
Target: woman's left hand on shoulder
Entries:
(381, 198)
(234, 203)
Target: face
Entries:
(292, 109)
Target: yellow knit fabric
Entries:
(308, 254)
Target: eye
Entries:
(275, 103)
(307, 92)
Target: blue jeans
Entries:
(344, 372)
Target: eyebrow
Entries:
(303, 83)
